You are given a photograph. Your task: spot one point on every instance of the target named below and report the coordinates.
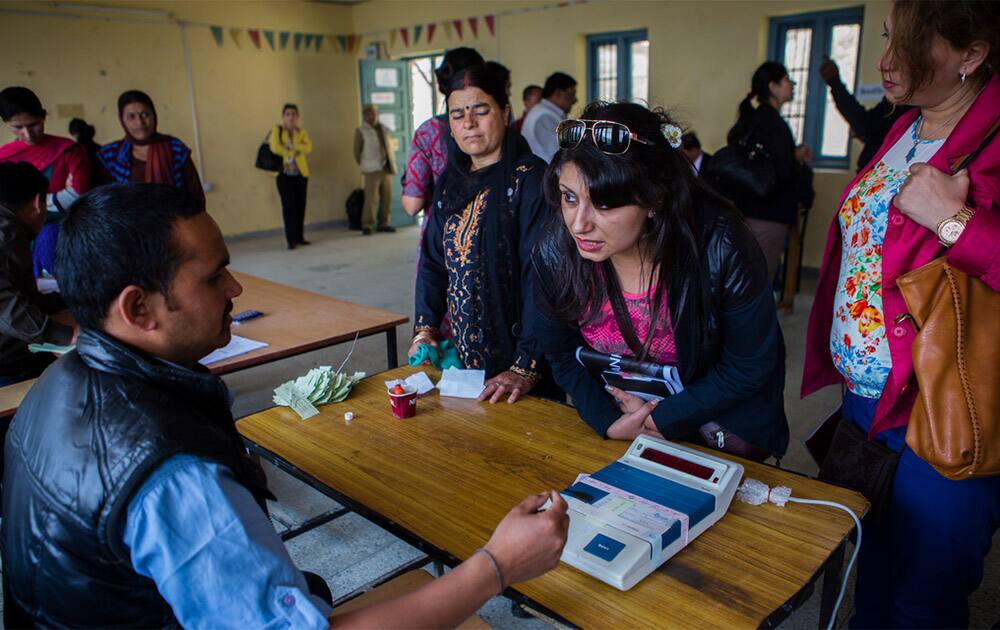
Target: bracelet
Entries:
(496, 567)
(528, 374)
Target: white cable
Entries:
(756, 492)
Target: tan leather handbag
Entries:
(955, 422)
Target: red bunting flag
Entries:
(491, 24)
(474, 25)
(255, 38)
(458, 27)
(405, 32)
(352, 41)
(430, 31)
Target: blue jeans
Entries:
(918, 567)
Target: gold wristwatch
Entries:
(951, 228)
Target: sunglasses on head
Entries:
(610, 137)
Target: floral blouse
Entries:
(857, 339)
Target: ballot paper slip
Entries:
(319, 386)
(419, 382)
(462, 383)
(237, 345)
(631, 516)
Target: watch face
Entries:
(950, 231)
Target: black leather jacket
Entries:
(24, 312)
(730, 352)
(98, 422)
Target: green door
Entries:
(387, 85)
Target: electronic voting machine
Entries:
(628, 518)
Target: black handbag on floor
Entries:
(266, 159)
(854, 461)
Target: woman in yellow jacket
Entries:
(292, 144)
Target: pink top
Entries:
(908, 246)
(604, 335)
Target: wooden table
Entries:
(443, 479)
(295, 321)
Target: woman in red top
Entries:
(919, 564)
(62, 161)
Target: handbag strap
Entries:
(964, 160)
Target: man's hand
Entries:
(527, 543)
(828, 70)
(929, 196)
(507, 383)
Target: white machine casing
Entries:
(638, 558)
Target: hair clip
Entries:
(673, 135)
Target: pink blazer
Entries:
(908, 246)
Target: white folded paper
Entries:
(462, 383)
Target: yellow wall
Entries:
(701, 57)
(239, 92)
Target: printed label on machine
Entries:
(631, 513)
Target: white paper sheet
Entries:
(47, 285)
(462, 383)
(236, 346)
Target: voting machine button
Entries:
(604, 548)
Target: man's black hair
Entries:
(690, 141)
(20, 182)
(528, 90)
(557, 81)
(19, 100)
(115, 236)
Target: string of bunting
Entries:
(267, 39)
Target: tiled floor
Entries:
(379, 270)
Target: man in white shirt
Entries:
(558, 97)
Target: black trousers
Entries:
(292, 190)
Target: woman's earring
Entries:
(650, 215)
(963, 78)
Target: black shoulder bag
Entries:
(267, 160)
(742, 170)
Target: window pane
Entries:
(844, 51)
(797, 46)
(640, 71)
(421, 90)
(607, 72)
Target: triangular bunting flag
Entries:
(491, 24)
(269, 36)
(309, 40)
(283, 39)
(343, 42)
(458, 27)
(254, 37)
(430, 31)
(417, 30)
(217, 34)
(405, 32)
(352, 42)
(448, 29)
(392, 38)
(237, 35)
(298, 41)
(319, 42)
(474, 25)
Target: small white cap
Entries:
(348, 416)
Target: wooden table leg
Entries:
(392, 355)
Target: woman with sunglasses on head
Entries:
(918, 564)
(145, 155)
(640, 259)
(769, 217)
(475, 253)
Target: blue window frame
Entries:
(800, 42)
(618, 66)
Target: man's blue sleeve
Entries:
(213, 553)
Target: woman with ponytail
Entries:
(639, 258)
(769, 217)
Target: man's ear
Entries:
(134, 308)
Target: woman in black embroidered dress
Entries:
(475, 253)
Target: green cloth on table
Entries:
(443, 357)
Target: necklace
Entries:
(920, 123)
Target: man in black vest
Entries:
(129, 499)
